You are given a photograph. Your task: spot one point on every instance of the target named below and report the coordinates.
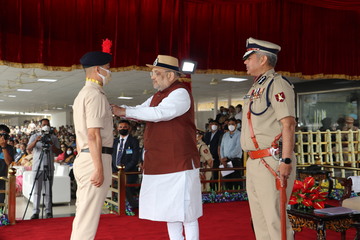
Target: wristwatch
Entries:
(285, 160)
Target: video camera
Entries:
(46, 133)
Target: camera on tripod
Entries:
(46, 132)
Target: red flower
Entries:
(307, 194)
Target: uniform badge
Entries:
(262, 79)
(280, 97)
(156, 62)
(206, 151)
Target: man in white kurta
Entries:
(171, 189)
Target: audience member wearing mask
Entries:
(69, 156)
(127, 153)
(230, 151)
(20, 152)
(212, 139)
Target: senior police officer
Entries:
(94, 132)
(269, 112)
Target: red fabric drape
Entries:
(317, 37)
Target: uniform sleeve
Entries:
(95, 110)
(283, 99)
(205, 152)
(175, 104)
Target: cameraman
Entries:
(46, 142)
(6, 157)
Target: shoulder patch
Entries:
(280, 97)
(206, 151)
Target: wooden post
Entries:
(122, 190)
(12, 196)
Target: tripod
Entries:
(45, 177)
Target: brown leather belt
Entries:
(105, 150)
(260, 153)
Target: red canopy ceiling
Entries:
(319, 38)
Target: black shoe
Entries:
(35, 216)
(49, 215)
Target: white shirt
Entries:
(118, 146)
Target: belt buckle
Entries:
(275, 153)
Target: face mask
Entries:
(45, 128)
(106, 79)
(18, 150)
(231, 128)
(214, 127)
(238, 125)
(224, 113)
(124, 132)
(69, 152)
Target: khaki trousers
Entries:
(264, 198)
(89, 199)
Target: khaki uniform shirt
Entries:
(266, 125)
(92, 110)
(205, 155)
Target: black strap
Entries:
(105, 150)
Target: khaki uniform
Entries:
(263, 196)
(91, 110)
(206, 161)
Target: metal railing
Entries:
(118, 187)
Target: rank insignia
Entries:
(262, 79)
(280, 97)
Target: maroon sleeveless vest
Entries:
(171, 145)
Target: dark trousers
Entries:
(215, 175)
(237, 162)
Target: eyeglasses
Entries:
(157, 73)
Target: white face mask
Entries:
(238, 125)
(45, 128)
(231, 128)
(69, 152)
(214, 127)
(106, 79)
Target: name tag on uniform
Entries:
(129, 151)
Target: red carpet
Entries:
(221, 221)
